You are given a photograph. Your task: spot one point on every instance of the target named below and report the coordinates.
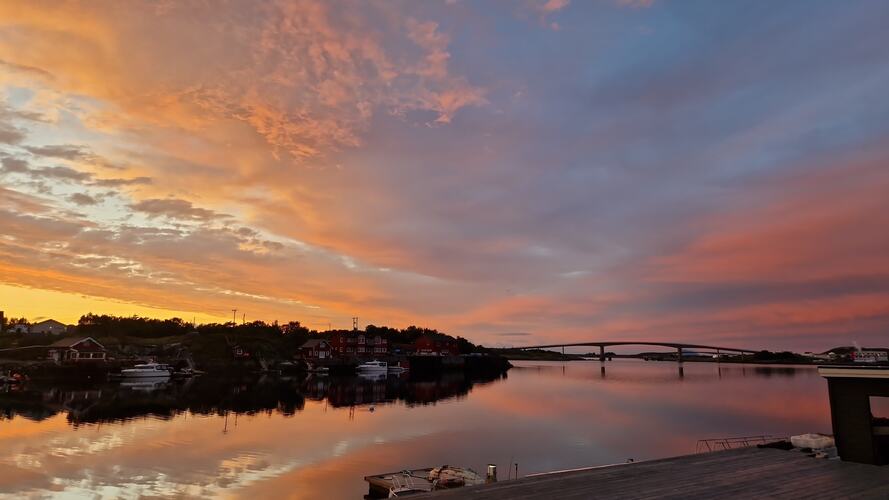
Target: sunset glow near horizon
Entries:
(515, 173)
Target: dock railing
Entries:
(715, 444)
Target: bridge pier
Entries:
(679, 354)
(601, 353)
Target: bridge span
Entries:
(674, 345)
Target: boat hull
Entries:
(144, 375)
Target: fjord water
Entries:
(317, 438)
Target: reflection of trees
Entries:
(110, 402)
(782, 371)
(116, 402)
(351, 391)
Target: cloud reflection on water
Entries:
(544, 416)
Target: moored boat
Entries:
(186, 373)
(147, 370)
(409, 482)
(12, 378)
(318, 370)
(372, 366)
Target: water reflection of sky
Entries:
(544, 416)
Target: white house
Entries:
(18, 328)
(49, 326)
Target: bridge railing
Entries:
(715, 444)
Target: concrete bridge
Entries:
(674, 345)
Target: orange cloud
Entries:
(824, 224)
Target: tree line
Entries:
(103, 325)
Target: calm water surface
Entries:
(317, 438)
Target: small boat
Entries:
(372, 366)
(186, 373)
(147, 370)
(12, 378)
(319, 370)
(409, 482)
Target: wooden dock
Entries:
(739, 473)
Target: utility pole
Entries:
(234, 316)
(243, 318)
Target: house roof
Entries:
(73, 341)
(48, 322)
(314, 343)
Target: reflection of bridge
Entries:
(674, 345)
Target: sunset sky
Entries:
(512, 172)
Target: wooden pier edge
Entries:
(739, 473)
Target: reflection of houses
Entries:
(428, 346)
(358, 344)
(358, 391)
(49, 327)
(77, 349)
(315, 349)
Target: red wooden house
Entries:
(316, 349)
(429, 346)
(77, 349)
(358, 344)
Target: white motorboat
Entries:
(372, 367)
(148, 370)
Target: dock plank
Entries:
(739, 473)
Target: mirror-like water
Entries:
(318, 437)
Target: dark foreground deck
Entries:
(740, 473)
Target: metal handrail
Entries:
(734, 442)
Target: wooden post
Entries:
(601, 353)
